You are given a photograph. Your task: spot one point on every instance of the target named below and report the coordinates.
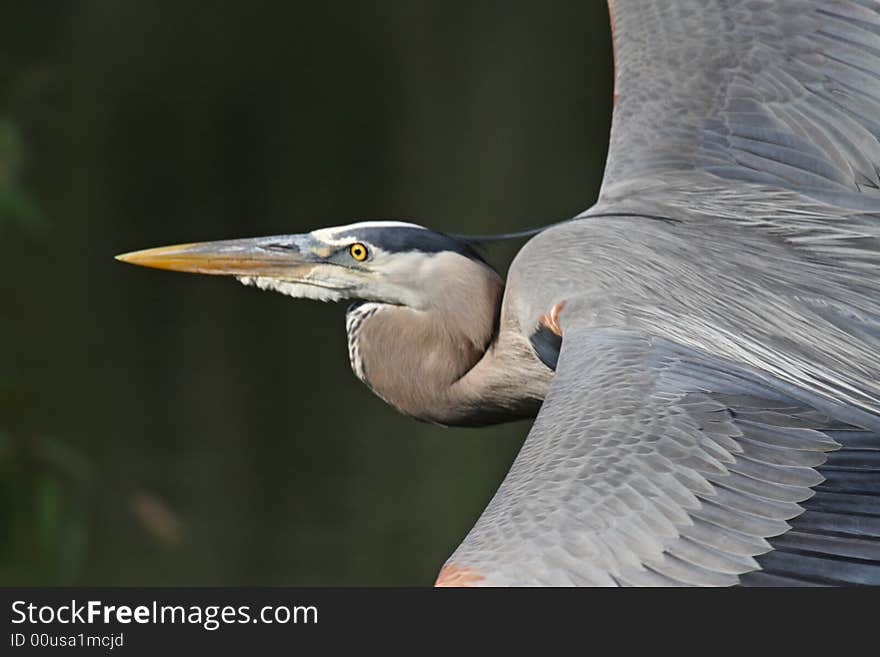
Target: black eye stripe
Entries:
(398, 239)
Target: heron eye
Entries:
(358, 251)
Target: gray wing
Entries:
(655, 464)
(714, 416)
(777, 92)
(759, 122)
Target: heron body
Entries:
(701, 349)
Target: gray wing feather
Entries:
(641, 469)
(776, 92)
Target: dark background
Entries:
(160, 428)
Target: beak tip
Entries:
(125, 257)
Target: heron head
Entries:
(388, 262)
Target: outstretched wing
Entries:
(654, 464)
(683, 444)
(778, 92)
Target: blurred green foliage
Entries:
(45, 483)
(45, 503)
(15, 204)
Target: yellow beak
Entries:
(263, 256)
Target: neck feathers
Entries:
(357, 313)
(459, 361)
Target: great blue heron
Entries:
(701, 348)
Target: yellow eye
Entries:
(358, 251)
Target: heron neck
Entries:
(507, 383)
(466, 364)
